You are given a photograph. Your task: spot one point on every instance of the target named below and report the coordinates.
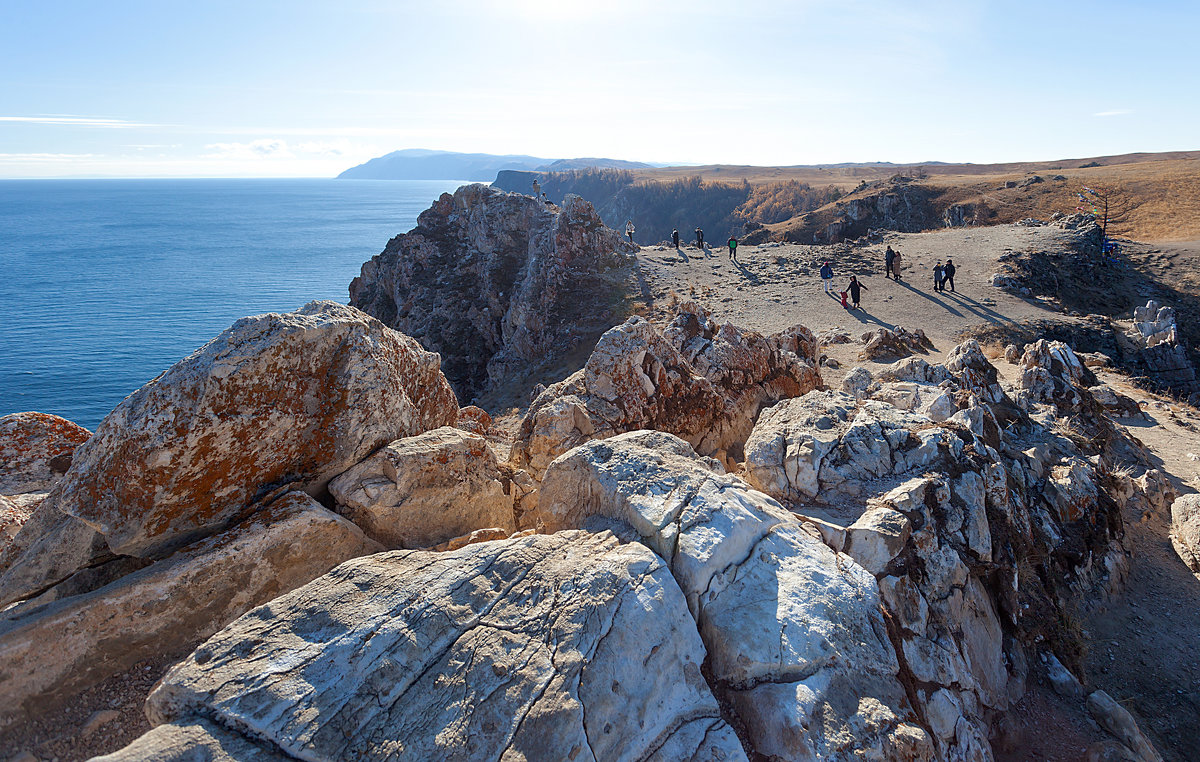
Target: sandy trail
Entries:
(777, 285)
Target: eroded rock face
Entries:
(278, 399)
(169, 606)
(497, 282)
(795, 639)
(424, 490)
(36, 450)
(537, 648)
(700, 381)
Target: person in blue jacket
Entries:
(827, 277)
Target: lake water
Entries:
(106, 283)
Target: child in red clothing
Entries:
(845, 302)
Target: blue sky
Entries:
(299, 88)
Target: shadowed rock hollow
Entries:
(498, 282)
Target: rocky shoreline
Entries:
(691, 548)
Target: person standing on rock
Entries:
(889, 258)
(855, 288)
(948, 274)
(537, 189)
(629, 231)
(675, 237)
(938, 271)
(700, 239)
(827, 277)
(732, 249)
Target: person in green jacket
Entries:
(733, 248)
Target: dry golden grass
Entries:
(1166, 186)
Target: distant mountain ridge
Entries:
(424, 164)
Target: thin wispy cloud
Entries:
(1114, 112)
(77, 121)
(272, 148)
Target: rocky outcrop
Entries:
(537, 648)
(795, 639)
(277, 401)
(36, 450)
(893, 343)
(498, 283)
(170, 606)
(425, 490)
(960, 511)
(1185, 530)
(698, 380)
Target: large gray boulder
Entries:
(50, 652)
(795, 637)
(539, 648)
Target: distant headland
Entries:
(423, 164)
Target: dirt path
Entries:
(777, 285)
(1144, 645)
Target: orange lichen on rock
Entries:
(36, 450)
(276, 400)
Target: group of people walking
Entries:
(732, 243)
(943, 275)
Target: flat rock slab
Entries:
(545, 647)
(194, 741)
(169, 606)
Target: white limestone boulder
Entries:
(544, 647)
(793, 629)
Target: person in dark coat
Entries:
(938, 274)
(948, 274)
(675, 237)
(888, 258)
(700, 239)
(827, 277)
(855, 288)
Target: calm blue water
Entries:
(106, 283)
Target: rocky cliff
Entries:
(498, 283)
